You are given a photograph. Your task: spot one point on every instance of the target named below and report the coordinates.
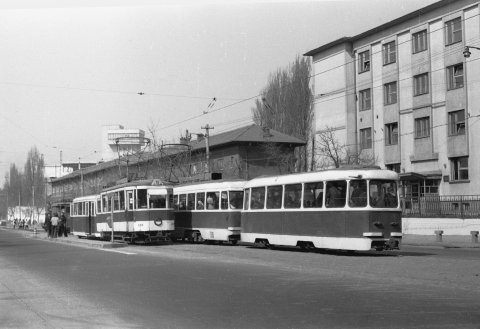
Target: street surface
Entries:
(55, 285)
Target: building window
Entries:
(419, 41)
(393, 167)
(390, 93)
(453, 31)
(365, 99)
(366, 138)
(420, 84)
(391, 133)
(456, 123)
(455, 76)
(422, 127)
(364, 61)
(459, 168)
(389, 53)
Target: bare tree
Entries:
(330, 152)
(34, 183)
(286, 105)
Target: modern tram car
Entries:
(209, 211)
(142, 211)
(84, 215)
(332, 209)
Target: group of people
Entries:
(56, 225)
(20, 223)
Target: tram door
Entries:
(91, 213)
(130, 206)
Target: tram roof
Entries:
(212, 184)
(140, 183)
(327, 175)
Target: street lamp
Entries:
(467, 52)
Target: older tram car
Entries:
(139, 211)
(332, 209)
(83, 214)
(209, 211)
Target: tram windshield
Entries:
(383, 194)
(158, 201)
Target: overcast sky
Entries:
(69, 67)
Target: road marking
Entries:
(119, 251)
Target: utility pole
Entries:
(207, 146)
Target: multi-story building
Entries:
(116, 140)
(407, 93)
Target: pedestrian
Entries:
(63, 224)
(48, 224)
(54, 221)
(14, 223)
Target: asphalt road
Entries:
(52, 285)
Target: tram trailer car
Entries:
(84, 216)
(333, 209)
(209, 211)
(142, 211)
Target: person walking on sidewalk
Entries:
(48, 224)
(63, 224)
(55, 221)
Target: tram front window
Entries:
(383, 194)
(158, 201)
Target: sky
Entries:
(67, 67)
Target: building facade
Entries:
(407, 93)
(118, 141)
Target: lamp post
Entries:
(467, 52)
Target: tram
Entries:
(84, 214)
(138, 211)
(209, 211)
(339, 209)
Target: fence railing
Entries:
(458, 206)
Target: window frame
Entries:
(366, 138)
(423, 81)
(391, 133)
(364, 61)
(453, 77)
(456, 126)
(457, 169)
(390, 94)
(419, 41)
(452, 35)
(365, 98)
(424, 131)
(389, 53)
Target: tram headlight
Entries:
(158, 222)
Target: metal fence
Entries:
(458, 206)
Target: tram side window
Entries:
(176, 203)
(99, 206)
(212, 200)
(116, 201)
(190, 201)
(142, 198)
(224, 200)
(383, 194)
(122, 200)
(201, 201)
(258, 198)
(170, 201)
(182, 202)
(313, 195)
(358, 193)
(85, 208)
(274, 197)
(105, 207)
(336, 194)
(236, 198)
(293, 196)
(158, 201)
(246, 199)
